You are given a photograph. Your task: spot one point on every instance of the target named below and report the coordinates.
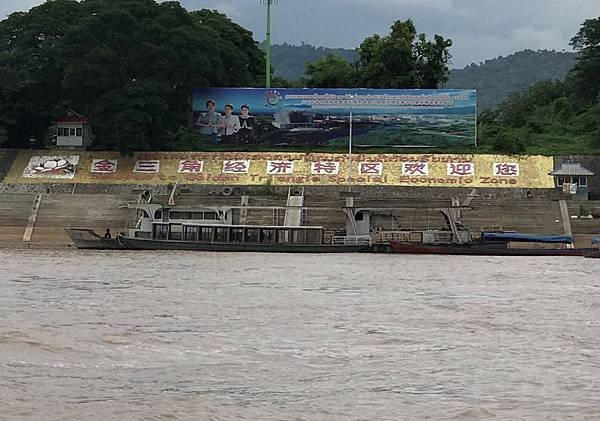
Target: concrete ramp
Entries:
(293, 212)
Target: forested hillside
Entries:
(289, 61)
(561, 116)
(497, 78)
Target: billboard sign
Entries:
(321, 117)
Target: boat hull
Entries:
(87, 239)
(478, 249)
(149, 244)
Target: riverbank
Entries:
(42, 194)
(37, 219)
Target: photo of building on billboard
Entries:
(321, 117)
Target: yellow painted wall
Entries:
(532, 170)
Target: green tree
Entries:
(403, 59)
(332, 71)
(129, 65)
(586, 73)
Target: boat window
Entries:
(176, 232)
(190, 233)
(180, 215)
(210, 216)
(267, 235)
(282, 236)
(359, 216)
(198, 215)
(161, 231)
(251, 235)
(206, 234)
(221, 234)
(158, 215)
(298, 236)
(313, 237)
(236, 235)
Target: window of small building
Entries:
(560, 181)
(72, 131)
(79, 131)
(583, 181)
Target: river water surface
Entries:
(199, 336)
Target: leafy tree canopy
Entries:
(402, 59)
(563, 116)
(128, 65)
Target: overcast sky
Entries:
(480, 29)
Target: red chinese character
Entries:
(371, 168)
(465, 168)
(416, 168)
(506, 169)
(104, 166)
(235, 167)
(190, 166)
(280, 167)
(325, 167)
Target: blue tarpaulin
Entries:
(529, 238)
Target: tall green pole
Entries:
(268, 69)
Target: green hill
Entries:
(497, 78)
(289, 61)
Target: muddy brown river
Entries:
(200, 336)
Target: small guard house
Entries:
(73, 131)
(573, 178)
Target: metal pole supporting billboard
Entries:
(269, 3)
(350, 147)
(476, 122)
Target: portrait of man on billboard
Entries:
(208, 122)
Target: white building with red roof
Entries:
(73, 131)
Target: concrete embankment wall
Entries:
(103, 206)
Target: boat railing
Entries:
(351, 241)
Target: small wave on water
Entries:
(178, 336)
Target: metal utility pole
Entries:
(269, 4)
(350, 147)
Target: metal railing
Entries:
(350, 241)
